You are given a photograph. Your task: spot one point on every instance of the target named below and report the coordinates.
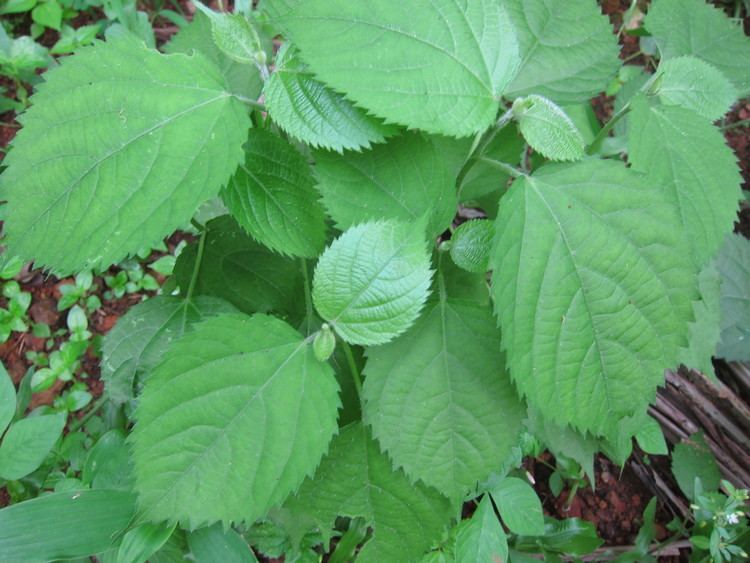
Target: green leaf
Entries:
(483, 539)
(241, 79)
(519, 507)
(241, 271)
(442, 72)
(673, 146)
(651, 439)
(372, 281)
(356, 479)
(570, 536)
(313, 113)
(235, 36)
(563, 441)
(272, 197)
(127, 125)
(445, 380)
(593, 285)
(693, 27)
(705, 331)
(140, 543)
(49, 14)
(482, 178)
(568, 50)
(107, 465)
(471, 244)
(696, 85)
(693, 459)
(7, 399)
(402, 179)
(548, 129)
(208, 444)
(17, 6)
(216, 545)
(137, 342)
(64, 525)
(733, 264)
(27, 443)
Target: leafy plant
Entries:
(327, 362)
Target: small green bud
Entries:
(324, 343)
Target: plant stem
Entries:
(249, 101)
(308, 296)
(599, 139)
(353, 368)
(505, 167)
(479, 147)
(736, 124)
(84, 419)
(196, 266)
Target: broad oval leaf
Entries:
(232, 420)
(694, 27)
(216, 545)
(356, 479)
(471, 244)
(519, 506)
(445, 380)
(548, 129)
(27, 443)
(75, 524)
(7, 399)
(691, 459)
(567, 47)
(308, 110)
(442, 72)
(272, 197)
(673, 147)
(138, 341)
(733, 264)
(402, 179)
(592, 284)
(696, 85)
(100, 170)
(239, 270)
(371, 283)
(483, 539)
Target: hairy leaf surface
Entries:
(568, 50)
(688, 158)
(471, 244)
(402, 179)
(272, 197)
(241, 271)
(371, 283)
(694, 27)
(137, 342)
(231, 422)
(108, 161)
(308, 110)
(733, 264)
(442, 72)
(593, 285)
(548, 129)
(356, 479)
(439, 399)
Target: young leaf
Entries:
(241, 79)
(673, 146)
(442, 72)
(568, 50)
(445, 380)
(74, 524)
(696, 85)
(371, 283)
(519, 507)
(593, 285)
(313, 113)
(651, 439)
(547, 128)
(241, 271)
(402, 179)
(356, 479)
(693, 459)
(272, 197)
(693, 27)
(483, 539)
(137, 342)
(216, 545)
(106, 126)
(232, 420)
(471, 245)
(27, 443)
(235, 36)
(7, 399)
(733, 263)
